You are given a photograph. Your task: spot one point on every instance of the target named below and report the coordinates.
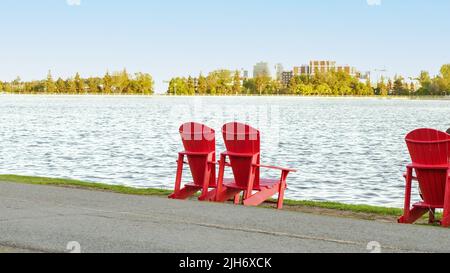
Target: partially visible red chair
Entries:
(243, 151)
(430, 151)
(199, 142)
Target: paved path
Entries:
(45, 219)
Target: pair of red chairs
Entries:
(243, 156)
(430, 167)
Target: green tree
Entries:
(7, 87)
(412, 87)
(438, 86)
(61, 86)
(237, 86)
(107, 84)
(382, 89)
(369, 87)
(304, 89)
(144, 83)
(390, 86)
(220, 82)
(425, 83)
(190, 86)
(292, 86)
(345, 90)
(274, 87)
(50, 86)
(399, 86)
(178, 86)
(261, 84)
(17, 85)
(79, 84)
(302, 81)
(323, 89)
(213, 90)
(121, 82)
(202, 85)
(72, 86)
(93, 84)
(171, 90)
(445, 75)
(249, 86)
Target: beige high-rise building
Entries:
(302, 70)
(322, 67)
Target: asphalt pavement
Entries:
(37, 218)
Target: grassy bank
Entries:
(327, 208)
(384, 211)
(82, 185)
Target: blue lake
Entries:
(346, 149)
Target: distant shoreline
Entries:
(231, 96)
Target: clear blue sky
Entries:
(180, 37)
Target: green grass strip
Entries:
(81, 184)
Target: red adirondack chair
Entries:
(200, 149)
(430, 151)
(243, 151)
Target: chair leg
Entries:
(179, 177)
(446, 217)
(251, 181)
(282, 190)
(237, 199)
(220, 178)
(405, 219)
(209, 197)
(206, 178)
(413, 215)
(446, 221)
(185, 193)
(227, 194)
(432, 218)
(260, 197)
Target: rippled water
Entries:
(346, 150)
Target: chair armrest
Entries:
(275, 168)
(416, 167)
(194, 153)
(244, 155)
(429, 167)
(209, 162)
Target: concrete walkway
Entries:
(46, 219)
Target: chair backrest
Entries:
(199, 138)
(243, 139)
(430, 148)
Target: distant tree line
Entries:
(116, 83)
(330, 84)
(226, 82)
(437, 86)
